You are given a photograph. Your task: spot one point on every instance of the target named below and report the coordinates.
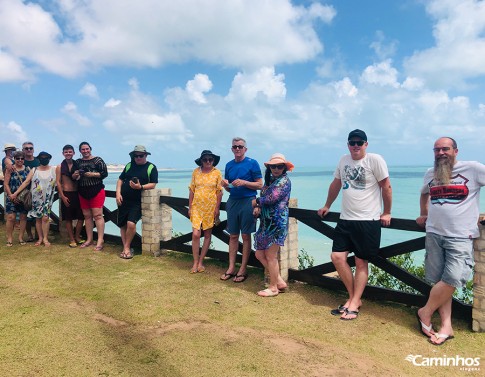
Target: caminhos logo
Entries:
(465, 363)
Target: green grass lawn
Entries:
(75, 312)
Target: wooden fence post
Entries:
(478, 310)
(288, 257)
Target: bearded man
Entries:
(449, 206)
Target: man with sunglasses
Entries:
(29, 162)
(242, 178)
(449, 209)
(364, 180)
(137, 176)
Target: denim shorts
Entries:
(240, 216)
(448, 259)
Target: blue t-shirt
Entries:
(247, 170)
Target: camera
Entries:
(134, 180)
(81, 171)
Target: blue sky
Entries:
(289, 76)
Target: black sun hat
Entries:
(207, 152)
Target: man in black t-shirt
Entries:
(138, 175)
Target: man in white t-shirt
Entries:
(364, 180)
(449, 205)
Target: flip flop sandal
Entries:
(73, 244)
(351, 312)
(9, 244)
(227, 276)
(339, 311)
(85, 244)
(267, 293)
(240, 278)
(22, 243)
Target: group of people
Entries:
(449, 210)
(242, 179)
(81, 191)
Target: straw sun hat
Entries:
(279, 158)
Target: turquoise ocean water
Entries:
(309, 186)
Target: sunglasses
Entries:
(279, 166)
(444, 149)
(138, 155)
(238, 147)
(353, 143)
(210, 159)
(28, 148)
(19, 158)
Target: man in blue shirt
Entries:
(242, 178)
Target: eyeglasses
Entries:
(28, 148)
(138, 155)
(444, 149)
(210, 159)
(279, 167)
(353, 143)
(238, 147)
(19, 158)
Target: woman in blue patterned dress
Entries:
(272, 208)
(13, 180)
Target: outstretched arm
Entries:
(333, 191)
(386, 190)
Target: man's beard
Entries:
(443, 168)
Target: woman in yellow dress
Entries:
(205, 195)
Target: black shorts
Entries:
(361, 237)
(74, 211)
(129, 211)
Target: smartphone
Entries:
(134, 180)
(81, 171)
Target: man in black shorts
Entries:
(138, 175)
(364, 180)
(67, 188)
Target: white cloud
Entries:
(112, 102)
(383, 48)
(197, 87)
(68, 38)
(248, 86)
(12, 68)
(459, 54)
(138, 118)
(71, 110)
(89, 90)
(13, 132)
(381, 74)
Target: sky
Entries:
(293, 77)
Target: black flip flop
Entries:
(243, 276)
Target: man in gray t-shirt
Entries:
(449, 206)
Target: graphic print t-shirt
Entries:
(454, 208)
(361, 193)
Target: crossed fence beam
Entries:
(317, 275)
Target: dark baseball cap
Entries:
(357, 133)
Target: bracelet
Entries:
(257, 203)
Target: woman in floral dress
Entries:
(272, 208)
(42, 189)
(205, 194)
